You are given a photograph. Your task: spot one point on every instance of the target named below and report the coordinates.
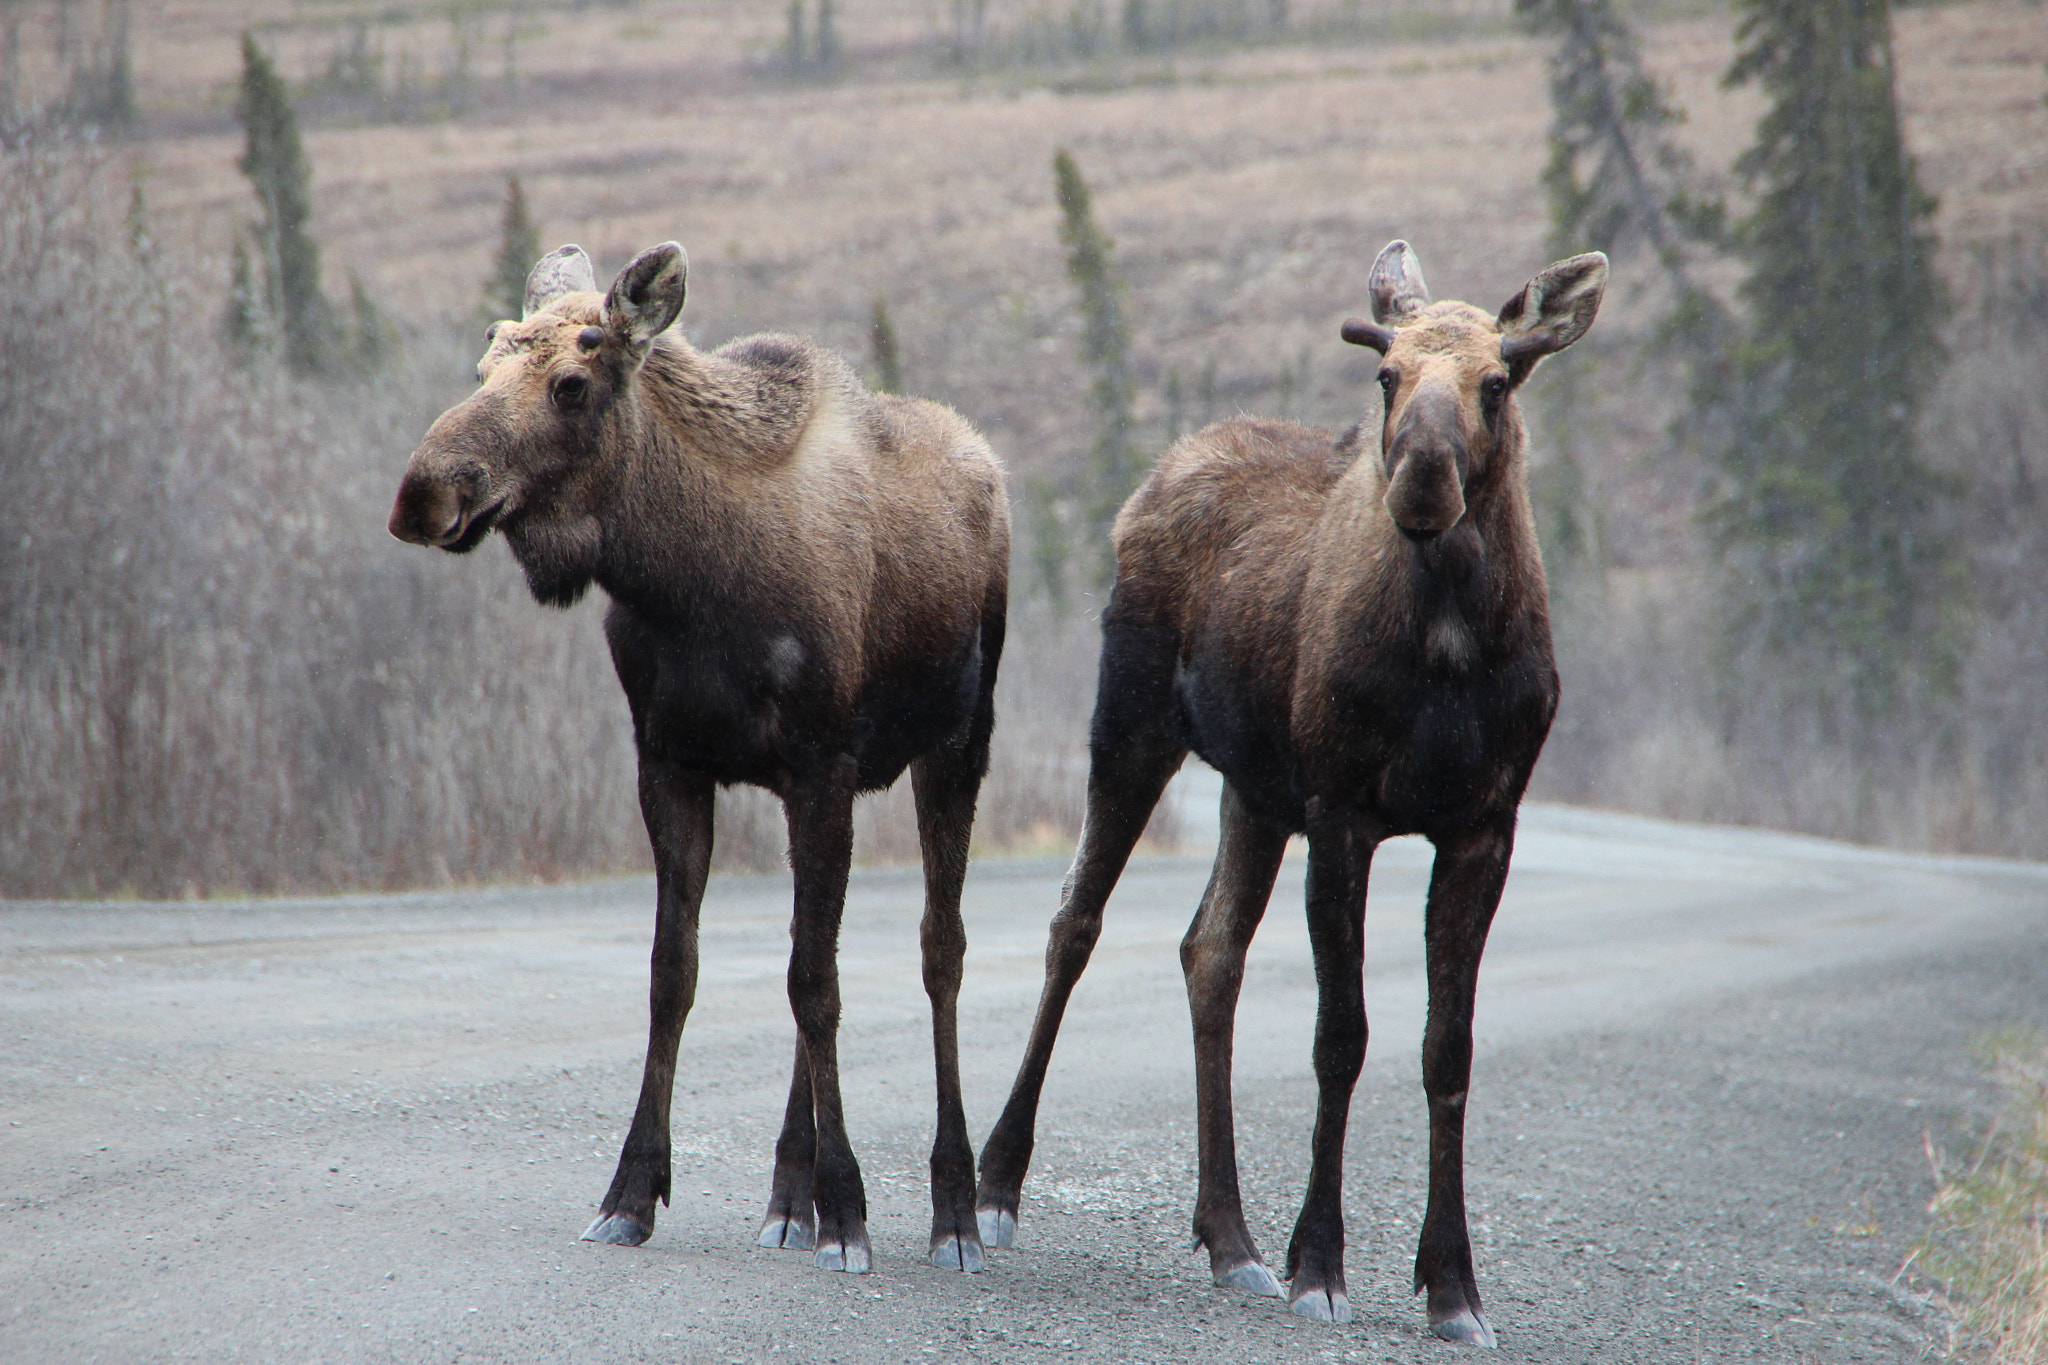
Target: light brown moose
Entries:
(1359, 641)
(808, 585)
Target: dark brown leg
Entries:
(1212, 958)
(946, 783)
(1464, 891)
(820, 849)
(1132, 755)
(791, 1222)
(1339, 859)
(677, 808)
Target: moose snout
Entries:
(1425, 497)
(437, 508)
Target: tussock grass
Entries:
(1992, 1216)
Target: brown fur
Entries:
(808, 586)
(1359, 641)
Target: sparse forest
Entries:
(1789, 489)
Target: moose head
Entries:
(1449, 376)
(530, 451)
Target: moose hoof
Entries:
(618, 1229)
(1249, 1277)
(1465, 1328)
(1320, 1305)
(955, 1253)
(789, 1233)
(851, 1256)
(998, 1228)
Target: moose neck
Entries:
(1470, 591)
(694, 451)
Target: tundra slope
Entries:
(808, 586)
(1360, 644)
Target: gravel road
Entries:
(371, 1128)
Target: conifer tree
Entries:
(888, 356)
(1615, 182)
(1827, 508)
(1105, 343)
(518, 249)
(276, 166)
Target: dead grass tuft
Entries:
(1992, 1216)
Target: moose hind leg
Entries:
(820, 814)
(1212, 958)
(676, 805)
(946, 784)
(1133, 753)
(1339, 857)
(791, 1221)
(1464, 891)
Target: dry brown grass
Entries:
(1992, 1211)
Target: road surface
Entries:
(370, 1128)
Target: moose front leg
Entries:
(946, 783)
(1339, 859)
(1212, 958)
(1464, 891)
(676, 805)
(820, 811)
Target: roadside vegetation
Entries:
(1992, 1216)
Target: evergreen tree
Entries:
(518, 249)
(888, 357)
(1614, 178)
(1827, 508)
(276, 166)
(1105, 343)
(1615, 182)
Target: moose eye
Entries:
(572, 391)
(1388, 379)
(491, 333)
(590, 338)
(1492, 387)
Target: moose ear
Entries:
(1398, 292)
(565, 270)
(1552, 311)
(647, 296)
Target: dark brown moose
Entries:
(808, 584)
(1359, 641)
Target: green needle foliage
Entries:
(1615, 182)
(1105, 344)
(518, 249)
(289, 259)
(1827, 513)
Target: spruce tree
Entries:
(1827, 509)
(276, 166)
(1105, 343)
(1615, 182)
(518, 249)
(1614, 178)
(888, 356)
